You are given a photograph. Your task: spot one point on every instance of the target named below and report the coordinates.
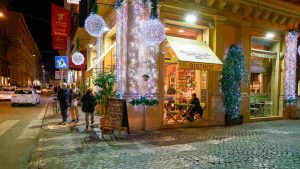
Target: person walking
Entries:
(88, 106)
(64, 98)
(75, 94)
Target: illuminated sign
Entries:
(61, 62)
(73, 1)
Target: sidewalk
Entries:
(258, 145)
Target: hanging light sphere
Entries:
(299, 50)
(153, 31)
(77, 58)
(94, 25)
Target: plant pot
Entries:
(233, 120)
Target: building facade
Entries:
(22, 56)
(259, 28)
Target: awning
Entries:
(192, 54)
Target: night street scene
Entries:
(150, 84)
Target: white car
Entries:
(6, 93)
(25, 96)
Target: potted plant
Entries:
(146, 77)
(105, 82)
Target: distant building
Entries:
(20, 54)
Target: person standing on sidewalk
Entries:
(75, 94)
(64, 98)
(88, 106)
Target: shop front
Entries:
(187, 63)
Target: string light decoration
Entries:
(290, 61)
(234, 72)
(95, 24)
(153, 30)
(77, 57)
(121, 45)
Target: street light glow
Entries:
(190, 18)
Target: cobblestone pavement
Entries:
(273, 144)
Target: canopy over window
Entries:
(192, 54)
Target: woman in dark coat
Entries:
(197, 107)
(88, 106)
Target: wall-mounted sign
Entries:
(61, 62)
(60, 21)
(61, 74)
(73, 1)
(59, 42)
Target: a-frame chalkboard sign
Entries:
(116, 118)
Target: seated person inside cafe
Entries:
(196, 108)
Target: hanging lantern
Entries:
(94, 25)
(154, 32)
(77, 58)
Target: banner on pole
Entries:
(60, 21)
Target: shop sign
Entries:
(61, 74)
(61, 62)
(60, 21)
(73, 1)
(59, 42)
(200, 66)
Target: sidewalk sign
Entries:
(117, 117)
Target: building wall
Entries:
(23, 55)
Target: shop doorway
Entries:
(264, 78)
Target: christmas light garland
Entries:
(290, 62)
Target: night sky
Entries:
(37, 14)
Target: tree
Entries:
(234, 72)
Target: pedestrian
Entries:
(88, 106)
(64, 98)
(196, 108)
(75, 94)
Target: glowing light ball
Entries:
(94, 25)
(298, 50)
(77, 58)
(153, 31)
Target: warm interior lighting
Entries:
(270, 35)
(190, 18)
(91, 45)
(33, 55)
(167, 29)
(1, 15)
(181, 31)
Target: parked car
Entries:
(25, 96)
(6, 93)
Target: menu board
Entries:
(116, 117)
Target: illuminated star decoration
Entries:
(153, 29)
(77, 58)
(290, 61)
